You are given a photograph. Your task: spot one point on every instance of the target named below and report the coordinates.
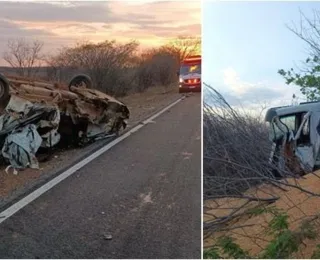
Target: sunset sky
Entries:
(64, 23)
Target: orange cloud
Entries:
(58, 24)
(149, 22)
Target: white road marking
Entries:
(38, 192)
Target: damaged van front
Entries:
(295, 133)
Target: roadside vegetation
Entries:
(115, 68)
(306, 74)
(249, 211)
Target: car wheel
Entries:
(4, 91)
(78, 80)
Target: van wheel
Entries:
(80, 80)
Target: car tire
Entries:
(4, 91)
(82, 78)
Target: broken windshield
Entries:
(289, 121)
(286, 122)
(274, 132)
(298, 124)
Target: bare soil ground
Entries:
(141, 105)
(252, 237)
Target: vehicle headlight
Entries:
(180, 80)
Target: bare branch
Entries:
(24, 56)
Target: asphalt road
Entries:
(140, 199)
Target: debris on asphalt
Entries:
(107, 237)
(15, 172)
(36, 114)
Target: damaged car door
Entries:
(293, 147)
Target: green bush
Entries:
(283, 244)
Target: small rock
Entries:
(107, 237)
(103, 213)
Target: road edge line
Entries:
(7, 213)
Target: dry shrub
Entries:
(108, 63)
(157, 68)
(115, 68)
(236, 148)
(239, 181)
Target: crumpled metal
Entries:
(20, 147)
(38, 114)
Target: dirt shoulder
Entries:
(300, 202)
(141, 106)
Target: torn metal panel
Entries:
(20, 147)
(305, 155)
(295, 136)
(97, 129)
(20, 112)
(50, 139)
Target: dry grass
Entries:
(252, 236)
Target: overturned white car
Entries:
(36, 114)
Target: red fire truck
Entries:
(190, 74)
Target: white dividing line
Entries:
(38, 192)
